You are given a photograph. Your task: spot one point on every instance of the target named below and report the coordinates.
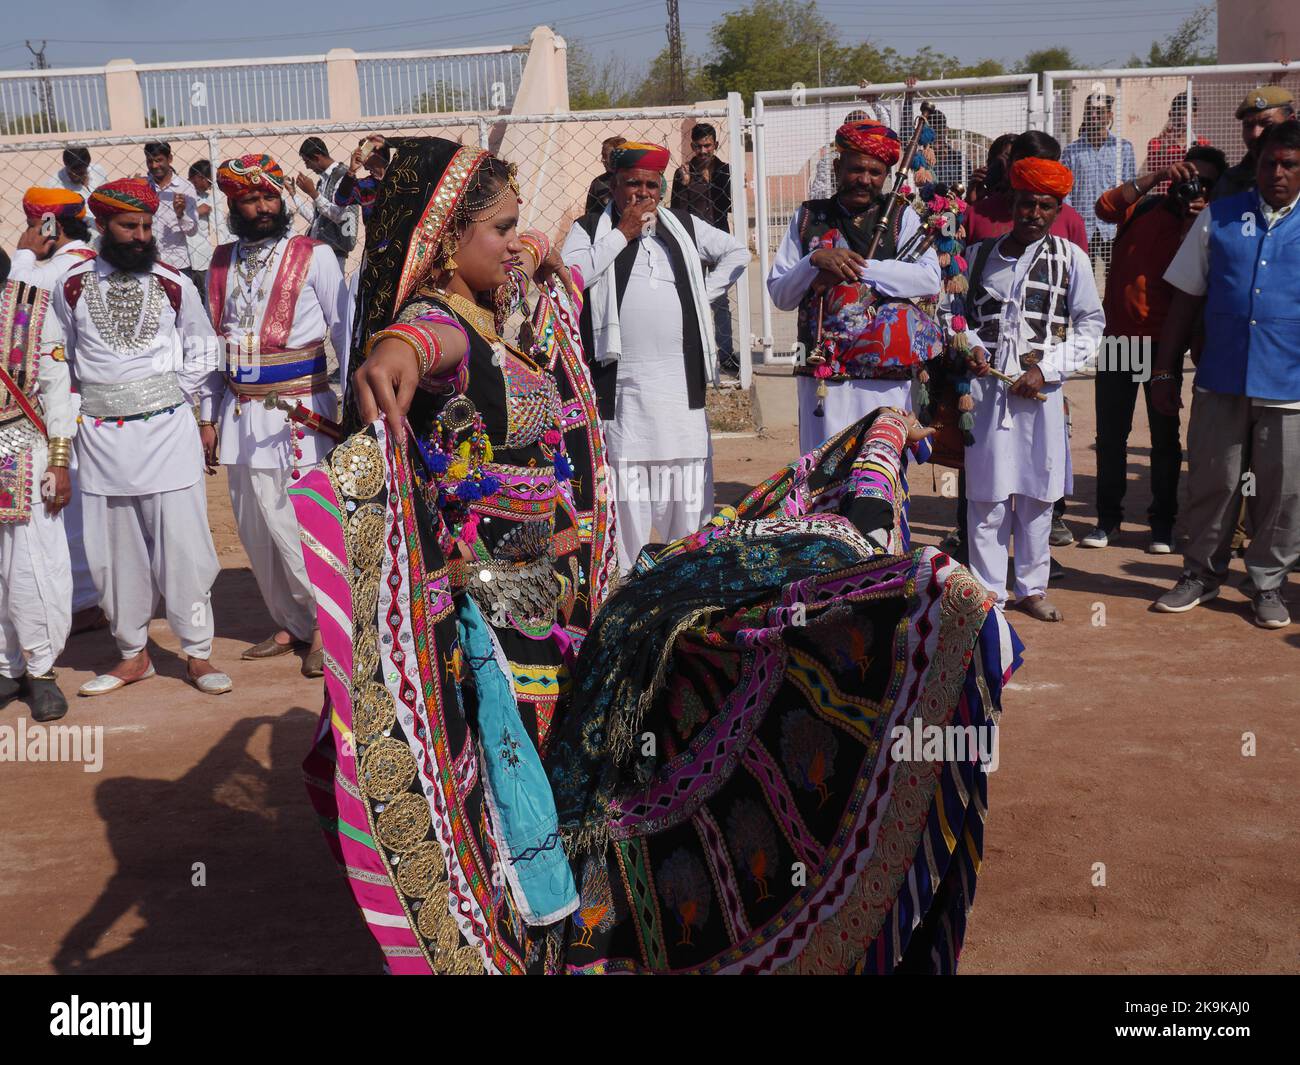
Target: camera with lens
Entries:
(1184, 192)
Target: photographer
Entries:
(1137, 300)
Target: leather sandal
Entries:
(106, 683)
(269, 648)
(313, 665)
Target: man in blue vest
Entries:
(1241, 264)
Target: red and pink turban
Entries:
(122, 197)
(870, 138)
(248, 174)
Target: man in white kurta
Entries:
(803, 269)
(275, 298)
(56, 239)
(1035, 316)
(648, 318)
(143, 353)
(37, 423)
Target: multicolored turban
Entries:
(870, 138)
(635, 155)
(59, 202)
(248, 174)
(1042, 175)
(122, 197)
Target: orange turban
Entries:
(1042, 175)
(242, 177)
(634, 155)
(59, 202)
(870, 138)
(122, 197)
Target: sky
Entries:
(1100, 33)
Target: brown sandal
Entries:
(270, 648)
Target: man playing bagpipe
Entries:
(864, 336)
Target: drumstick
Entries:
(1006, 380)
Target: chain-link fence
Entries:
(794, 133)
(1116, 124)
(557, 157)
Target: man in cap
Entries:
(806, 266)
(648, 328)
(275, 298)
(56, 239)
(1263, 107)
(142, 353)
(1033, 313)
(37, 423)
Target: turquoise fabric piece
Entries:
(518, 792)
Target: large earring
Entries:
(501, 303)
(449, 246)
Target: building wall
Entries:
(1252, 31)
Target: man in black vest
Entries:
(647, 329)
(826, 246)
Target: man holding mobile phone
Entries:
(177, 219)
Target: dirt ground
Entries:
(195, 850)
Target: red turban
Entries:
(59, 202)
(635, 155)
(123, 196)
(241, 177)
(870, 138)
(1042, 175)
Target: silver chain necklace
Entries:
(128, 316)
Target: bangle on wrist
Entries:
(424, 342)
(1156, 378)
(204, 424)
(59, 452)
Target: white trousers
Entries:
(269, 530)
(846, 402)
(151, 545)
(660, 501)
(992, 526)
(84, 594)
(35, 588)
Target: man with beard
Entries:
(1033, 314)
(56, 239)
(274, 297)
(805, 268)
(142, 350)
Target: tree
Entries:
(656, 87)
(597, 85)
(772, 44)
(1191, 45)
(440, 98)
(155, 120)
(1047, 59)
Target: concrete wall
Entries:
(1254, 31)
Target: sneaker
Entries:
(1061, 535)
(1100, 536)
(1189, 592)
(1162, 540)
(1270, 611)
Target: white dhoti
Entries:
(150, 545)
(35, 587)
(84, 593)
(659, 501)
(269, 531)
(846, 402)
(992, 526)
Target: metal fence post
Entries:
(742, 335)
(760, 223)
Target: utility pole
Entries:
(676, 81)
(45, 93)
